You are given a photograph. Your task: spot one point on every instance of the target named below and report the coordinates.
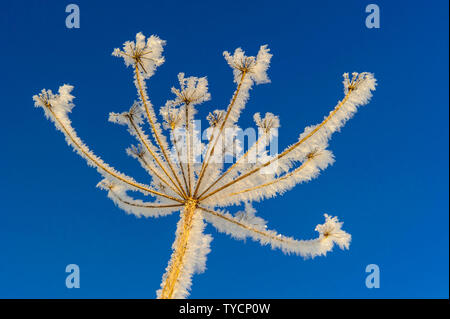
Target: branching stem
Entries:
(252, 229)
(188, 146)
(206, 160)
(179, 159)
(287, 151)
(141, 138)
(230, 168)
(107, 170)
(298, 169)
(152, 124)
(144, 205)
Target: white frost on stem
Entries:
(56, 108)
(330, 233)
(247, 70)
(314, 138)
(270, 186)
(317, 136)
(118, 194)
(194, 258)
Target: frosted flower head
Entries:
(136, 111)
(160, 186)
(171, 115)
(321, 158)
(254, 67)
(146, 55)
(43, 99)
(331, 233)
(358, 80)
(60, 103)
(269, 124)
(136, 151)
(215, 118)
(106, 184)
(135, 114)
(313, 154)
(193, 90)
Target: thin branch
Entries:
(106, 169)
(230, 168)
(155, 132)
(188, 146)
(180, 251)
(161, 178)
(285, 152)
(279, 179)
(246, 227)
(179, 158)
(143, 205)
(141, 138)
(206, 161)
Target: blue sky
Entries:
(389, 183)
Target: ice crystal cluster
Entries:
(200, 189)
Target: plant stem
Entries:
(141, 138)
(177, 261)
(94, 159)
(285, 152)
(155, 132)
(207, 158)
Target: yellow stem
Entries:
(161, 178)
(188, 146)
(229, 169)
(179, 158)
(107, 170)
(144, 101)
(273, 181)
(178, 191)
(177, 261)
(262, 233)
(144, 205)
(288, 150)
(206, 161)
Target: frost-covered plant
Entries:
(198, 189)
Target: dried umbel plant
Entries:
(198, 189)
